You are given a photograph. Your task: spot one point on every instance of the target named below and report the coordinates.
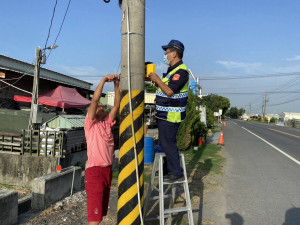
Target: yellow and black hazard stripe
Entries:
(128, 205)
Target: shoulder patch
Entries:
(176, 76)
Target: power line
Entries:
(53, 13)
(15, 86)
(250, 76)
(285, 86)
(259, 93)
(282, 103)
(76, 76)
(66, 12)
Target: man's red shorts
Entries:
(97, 186)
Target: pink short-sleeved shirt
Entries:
(100, 141)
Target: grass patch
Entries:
(22, 191)
(216, 129)
(207, 158)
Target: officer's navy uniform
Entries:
(170, 111)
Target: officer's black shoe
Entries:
(165, 174)
(172, 178)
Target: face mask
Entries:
(166, 61)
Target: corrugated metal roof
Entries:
(75, 120)
(19, 66)
(67, 122)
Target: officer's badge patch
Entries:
(176, 77)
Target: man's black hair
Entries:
(179, 53)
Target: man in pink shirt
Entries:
(100, 147)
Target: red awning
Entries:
(62, 97)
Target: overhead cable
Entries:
(250, 76)
(66, 12)
(49, 30)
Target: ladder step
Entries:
(157, 197)
(155, 218)
(163, 193)
(176, 182)
(175, 210)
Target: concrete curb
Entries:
(24, 204)
(53, 187)
(9, 207)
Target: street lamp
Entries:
(51, 47)
(40, 58)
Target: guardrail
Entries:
(43, 143)
(34, 142)
(11, 143)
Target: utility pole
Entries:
(250, 109)
(131, 155)
(35, 90)
(40, 58)
(265, 105)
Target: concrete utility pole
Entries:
(130, 181)
(35, 90)
(265, 105)
(250, 109)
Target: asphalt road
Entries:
(262, 175)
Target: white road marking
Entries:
(273, 146)
(234, 122)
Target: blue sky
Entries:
(222, 38)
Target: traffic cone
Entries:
(221, 139)
(224, 124)
(200, 142)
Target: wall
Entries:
(13, 121)
(22, 169)
(53, 187)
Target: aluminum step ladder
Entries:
(167, 213)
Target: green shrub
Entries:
(191, 128)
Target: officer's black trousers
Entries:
(167, 132)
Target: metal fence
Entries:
(34, 142)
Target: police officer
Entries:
(171, 101)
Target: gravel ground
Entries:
(71, 210)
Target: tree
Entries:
(216, 102)
(191, 128)
(149, 88)
(210, 119)
(233, 112)
(241, 111)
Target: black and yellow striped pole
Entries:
(131, 155)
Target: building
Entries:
(110, 97)
(285, 116)
(23, 161)
(17, 76)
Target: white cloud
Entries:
(80, 71)
(161, 68)
(234, 65)
(295, 58)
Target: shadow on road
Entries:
(235, 218)
(292, 216)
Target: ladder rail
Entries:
(161, 192)
(167, 213)
(187, 193)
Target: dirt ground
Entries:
(72, 210)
